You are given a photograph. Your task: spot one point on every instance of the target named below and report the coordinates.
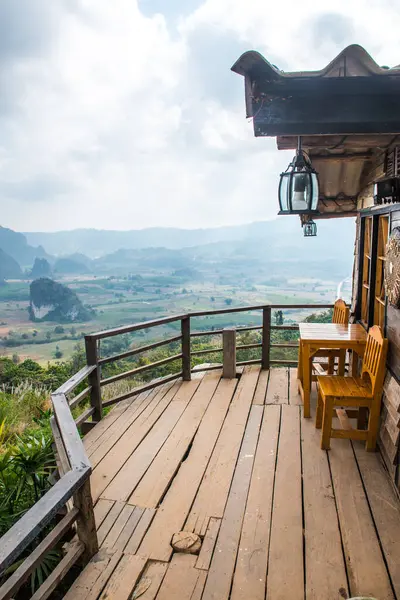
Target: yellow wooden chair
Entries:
(340, 316)
(336, 393)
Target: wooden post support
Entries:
(266, 338)
(229, 352)
(85, 522)
(94, 377)
(186, 360)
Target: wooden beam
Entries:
(72, 442)
(92, 358)
(140, 350)
(75, 380)
(266, 338)
(14, 582)
(20, 535)
(74, 551)
(335, 142)
(229, 352)
(138, 370)
(186, 360)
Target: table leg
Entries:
(300, 365)
(306, 364)
(342, 362)
(354, 363)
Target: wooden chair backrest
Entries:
(374, 361)
(341, 312)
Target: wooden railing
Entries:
(72, 490)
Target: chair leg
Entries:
(320, 409)
(331, 365)
(327, 423)
(373, 425)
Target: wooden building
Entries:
(348, 115)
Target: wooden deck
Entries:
(234, 462)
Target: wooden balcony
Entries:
(213, 488)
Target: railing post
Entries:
(186, 359)
(266, 338)
(85, 522)
(229, 353)
(94, 377)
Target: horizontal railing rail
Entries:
(72, 490)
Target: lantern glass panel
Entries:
(314, 196)
(283, 192)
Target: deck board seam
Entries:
(273, 497)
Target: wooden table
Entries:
(315, 337)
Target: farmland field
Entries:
(116, 301)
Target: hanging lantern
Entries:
(298, 186)
(310, 228)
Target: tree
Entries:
(212, 298)
(16, 359)
(278, 314)
(48, 335)
(59, 329)
(228, 301)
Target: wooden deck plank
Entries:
(157, 479)
(140, 530)
(126, 427)
(222, 566)
(285, 569)
(365, 567)
(104, 442)
(385, 508)
(109, 521)
(175, 507)
(325, 567)
(208, 545)
(251, 567)
(261, 389)
(123, 581)
(129, 528)
(118, 527)
(181, 579)
(294, 394)
(130, 440)
(101, 510)
(150, 581)
(127, 478)
(213, 492)
(278, 387)
(94, 577)
(108, 421)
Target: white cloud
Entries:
(116, 116)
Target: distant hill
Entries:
(16, 245)
(41, 268)
(9, 268)
(51, 301)
(280, 234)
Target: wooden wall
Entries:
(389, 435)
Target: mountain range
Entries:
(283, 232)
(256, 250)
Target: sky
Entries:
(125, 114)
